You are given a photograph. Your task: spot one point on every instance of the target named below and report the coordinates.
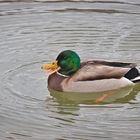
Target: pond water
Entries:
(32, 33)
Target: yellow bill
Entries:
(52, 68)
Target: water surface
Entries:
(32, 33)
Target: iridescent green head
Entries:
(68, 61)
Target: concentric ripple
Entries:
(21, 80)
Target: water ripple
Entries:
(32, 34)
(108, 11)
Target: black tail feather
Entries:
(133, 74)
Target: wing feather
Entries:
(95, 70)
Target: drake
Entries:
(68, 74)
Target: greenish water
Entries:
(32, 34)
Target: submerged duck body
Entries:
(68, 74)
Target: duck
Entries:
(68, 74)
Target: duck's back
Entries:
(96, 70)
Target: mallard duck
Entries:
(68, 74)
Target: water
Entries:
(32, 34)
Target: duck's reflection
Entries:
(65, 108)
(123, 95)
(64, 114)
